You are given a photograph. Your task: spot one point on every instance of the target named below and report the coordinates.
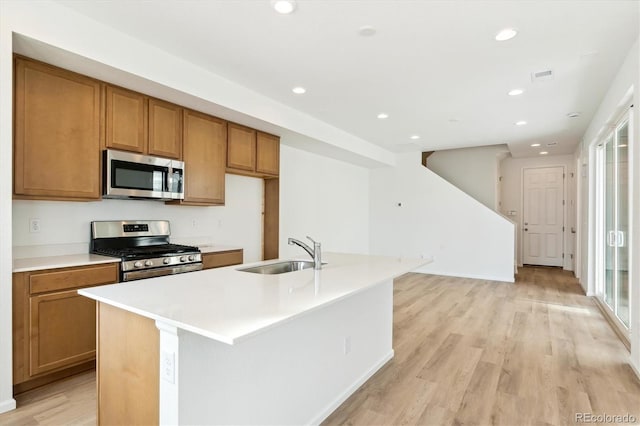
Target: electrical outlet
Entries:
(34, 225)
(347, 345)
(168, 366)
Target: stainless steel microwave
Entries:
(131, 175)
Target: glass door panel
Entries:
(609, 222)
(622, 224)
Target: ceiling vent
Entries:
(552, 143)
(540, 76)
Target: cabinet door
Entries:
(268, 154)
(126, 124)
(62, 330)
(57, 133)
(165, 129)
(241, 149)
(205, 153)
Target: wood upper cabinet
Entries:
(267, 154)
(57, 134)
(204, 154)
(241, 150)
(252, 153)
(137, 123)
(126, 123)
(54, 328)
(165, 129)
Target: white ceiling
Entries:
(433, 66)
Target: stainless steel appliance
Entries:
(131, 175)
(143, 246)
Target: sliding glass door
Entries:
(613, 202)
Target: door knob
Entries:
(526, 229)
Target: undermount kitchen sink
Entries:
(280, 267)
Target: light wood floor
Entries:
(481, 352)
(466, 352)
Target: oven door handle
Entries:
(158, 272)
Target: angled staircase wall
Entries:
(416, 213)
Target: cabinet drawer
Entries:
(217, 260)
(62, 279)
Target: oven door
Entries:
(129, 175)
(158, 272)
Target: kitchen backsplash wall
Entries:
(238, 223)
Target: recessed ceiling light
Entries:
(382, 116)
(366, 31)
(574, 114)
(506, 34)
(543, 152)
(521, 123)
(535, 144)
(516, 92)
(414, 137)
(283, 6)
(299, 90)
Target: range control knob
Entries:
(166, 261)
(138, 264)
(183, 258)
(191, 257)
(148, 263)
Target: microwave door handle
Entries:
(169, 183)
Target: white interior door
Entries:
(543, 218)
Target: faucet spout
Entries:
(315, 253)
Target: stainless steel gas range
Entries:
(144, 248)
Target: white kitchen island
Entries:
(234, 347)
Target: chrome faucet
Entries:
(315, 253)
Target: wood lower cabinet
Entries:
(165, 129)
(62, 331)
(126, 121)
(204, 155)
(128, 370)
(57, 133)
(54, 328)
(222, 258)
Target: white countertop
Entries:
(228, 305)
(64, 261)
(214, 248)
(36, 258)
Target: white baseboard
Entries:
(350, 390)
(7, 405)
(635, 369)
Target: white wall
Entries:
(473, 170)
(511, 172)
(238, 222)
(622, 92)
(436, 219)
(325, 199)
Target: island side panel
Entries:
(296, 373)
(127, 368)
